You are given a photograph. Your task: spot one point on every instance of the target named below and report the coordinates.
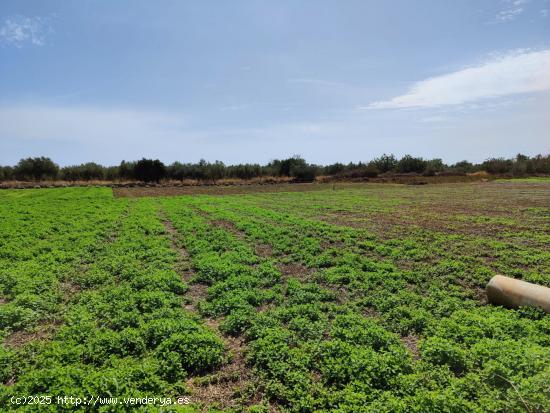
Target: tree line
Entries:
(295, 167)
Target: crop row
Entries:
(470, 357)
(500, 235)
(124, 331)
(334, 318)
(46, 239)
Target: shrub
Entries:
(6, 369)
(85, 172)
(303, 173)
(193, 353)
(462, 167)
(385, 163)
(334, 169)
(149, 170)
(362, 331)
(497, 165)
(126, 170)
(439, 351)
(433, 167)
(36, 168)
(363, 171)
(238, 321)
(6, 173)
(409, 163)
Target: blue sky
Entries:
(255, 80)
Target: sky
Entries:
(250, 81)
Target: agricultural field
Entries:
(335, 298)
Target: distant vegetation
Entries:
(149, 170)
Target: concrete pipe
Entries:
(516, 293)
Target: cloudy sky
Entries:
(255, 80)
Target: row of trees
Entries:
(150, 170)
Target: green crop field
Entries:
(346, 298)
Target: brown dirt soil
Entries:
(229, 226)
(214, 190)
(411, 343)
(232, 187)
(263, 250)
(20, 338)
(296, 270)
(196, 291)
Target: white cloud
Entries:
(514, 73)
(19, 30)
(513, 9)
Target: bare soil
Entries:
(233, 187)
(20, 338)
(137, 192)
(411, 343)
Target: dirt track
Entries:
(137, 192)
(155, 190)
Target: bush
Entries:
(244, 171)
(362, 331)
(36, 169)
(85, 172)
(370, 171)
(149, 170)
(334, 169)
(433, 167)
(295, 167)
(238, 321)
(192, 353)
(303, 173)
(363, 171)
(497, 165)
(409, 164)
(541, 164)
(439, 351)
(385, 163)
(126, 170)
(6, 173)
(463, 167)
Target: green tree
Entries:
(39, 168)
(149, 170)
(385, 163)
(410, 163)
